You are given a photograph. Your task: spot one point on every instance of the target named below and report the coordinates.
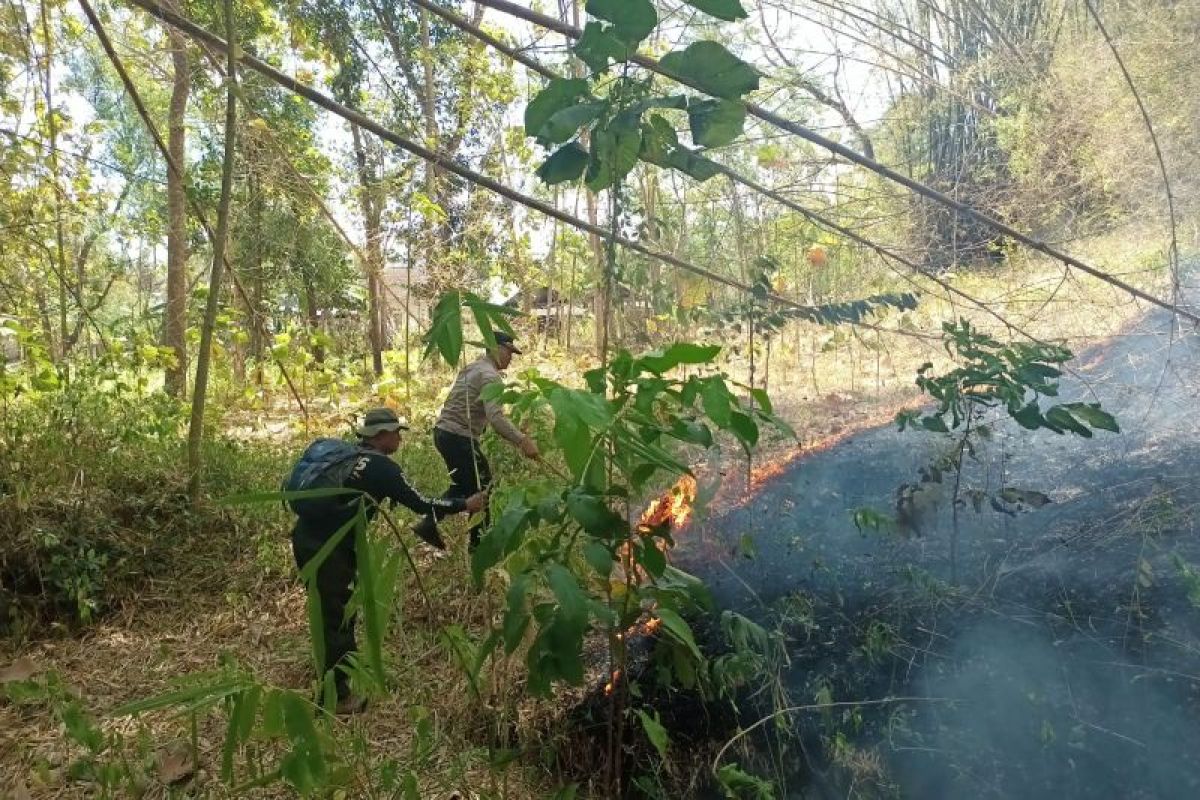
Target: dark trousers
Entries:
(469, 471)
(333, 581)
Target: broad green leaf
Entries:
(1029, 416)
(716, 123)
(632, 20)
(691, 164)
(934, 423)
(445, 335)
(558, 94)
(598, 557)
(572, 602)
(615, 151)
(594, 515)
(693, 432)
(744, 428)
(676, 354)
(1093, 415)
(499, 541)
(712, 69)
(728, 10)
(717, 401)
(516, 615)
(764, 401)
(651, 558)
(567, 163)
(680, 631)
(1059, 417)
(598, 46)
(655, 732)
(566, 123)
(658, 139)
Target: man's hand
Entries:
(529, 448)
(477, 502)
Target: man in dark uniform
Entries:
(465, 416)
(372, 472)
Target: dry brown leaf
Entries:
(175, 764)
(20, 670)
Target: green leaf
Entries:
(651, 558)
(598, 46)
(500, 540)
(632, 20)
(934, 423)
(680, 631)
(1029, 417)
(594, 515)
(564, 124)
(658, 139)
(717, 401)
(1091, 414)
(558, 94)
(445, 335)
(567, 163)
(716, 123)
(764, 401)
(598, 557)
(572, 602)
(691, 164)
(676, 354)
(744, 428)
(1059, 417)
(692, 432)
(615, 152)
(655, 732)
(728, 10)
(712, 69)
(516, 615)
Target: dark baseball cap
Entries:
(507, 340)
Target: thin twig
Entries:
(818, 707)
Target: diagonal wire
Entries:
(803, 132)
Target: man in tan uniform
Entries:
(465, 416)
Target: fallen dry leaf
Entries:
(20, 670)
(175, 764)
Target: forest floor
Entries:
(245, 604)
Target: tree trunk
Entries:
(175, 319)
(196, 428)
(372, 212)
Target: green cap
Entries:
(380, 419)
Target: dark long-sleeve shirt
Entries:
(381, 478)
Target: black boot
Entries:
(427, 531)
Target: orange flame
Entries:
(673, 508)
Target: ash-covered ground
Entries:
(1065, 660)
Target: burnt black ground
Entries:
(1066, 661)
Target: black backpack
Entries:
(324, 464)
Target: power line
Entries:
(888, 255)
(803, 132)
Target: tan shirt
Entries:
(466, 414)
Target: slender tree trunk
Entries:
(175, 319)
(59, 258)
(203, 357)
(372, 224)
